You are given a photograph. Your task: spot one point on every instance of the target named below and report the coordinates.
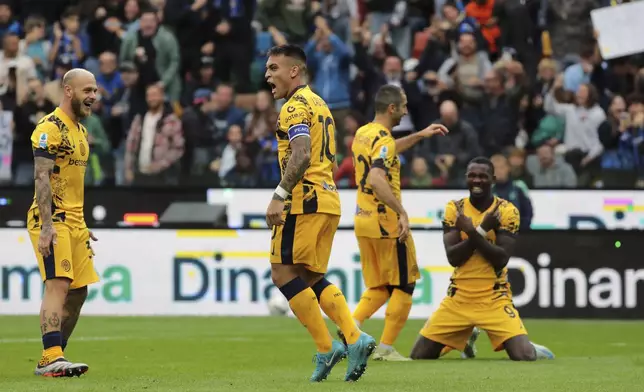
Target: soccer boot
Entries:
(543, 352)
(470, 348)
(325, 362)
(359, 354)
(60, 368)
(388, 354)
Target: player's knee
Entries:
(425, 349)
(524, 352)
(58, 287)
(282, 274)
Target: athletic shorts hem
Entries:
(444, 342)
(306, 264)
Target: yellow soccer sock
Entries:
(335, 306)
(51, 347)
(370, 302)
(305, 306)
(396, 316)
(445, 350)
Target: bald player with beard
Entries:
(56, 224)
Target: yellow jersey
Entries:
(374, 146)
(476, 278)
(57, 137)
(306, 115)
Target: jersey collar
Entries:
(296, 89)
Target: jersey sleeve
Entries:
(45, 140)
(510, 219)
(449, 216)
(298, 120)
(383, 153)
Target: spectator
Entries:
(226, 113)
(481, 11)
(617, 134)
(328, 58)
(391, 13)
(203, 78)
(15, 70)
(8, 24)
(109, 80)
(466, 69)
(155, 51)
(26, 116)
(155, 144)
(345, 173)
(228, 159)
(549, 170)
(421, 177)
(516, 160)
(514, 191)
(286, 19)
(67, 44)
(99, 147)
(35, 46)
(581, 138)
(451, 153)
(580, 72)
(260, 123)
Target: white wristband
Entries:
(481, 231)
(281, 192)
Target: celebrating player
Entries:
(479, 235)
(304, 214)
(387, 250)
(55, 221)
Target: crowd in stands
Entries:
(183, 99)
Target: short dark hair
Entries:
(483, 161)
(288, 50)
(388, 95)
(70, 11)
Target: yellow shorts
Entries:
(387, 262)
(71, 257)
(452, 323)
(305, 239)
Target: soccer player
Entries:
(479, 235)
(387, 251)
(55, 221)
(304, 214)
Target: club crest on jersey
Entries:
(42, 143)
(383, 152)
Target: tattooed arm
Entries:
(297, 164)
(43, 168)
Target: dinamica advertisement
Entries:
(198, 272)
(553, 209)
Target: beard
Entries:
(79, 108)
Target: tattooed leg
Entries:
(71, 311)
(51, 314)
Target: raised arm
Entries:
(405, 143)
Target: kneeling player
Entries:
(479, 234)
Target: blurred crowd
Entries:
(183, 99)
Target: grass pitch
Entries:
(274, 354)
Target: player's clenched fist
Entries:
(274, 213)
(47, 238)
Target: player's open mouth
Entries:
(272, 87)
(88, 104)
(477, 189)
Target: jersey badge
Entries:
(43, 141)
